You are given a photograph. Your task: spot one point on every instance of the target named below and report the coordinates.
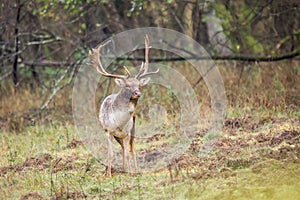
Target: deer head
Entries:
(130, 85)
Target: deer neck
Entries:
(123, 106)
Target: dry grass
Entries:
(264, 89)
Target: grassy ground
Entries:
(257, 157)
(51, 162)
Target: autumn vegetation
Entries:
(256, 47)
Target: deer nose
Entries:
(136, 94)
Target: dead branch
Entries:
(286, 56)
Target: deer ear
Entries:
(120, 82)
(144, 81)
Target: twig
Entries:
(60, 87)
(6, 74)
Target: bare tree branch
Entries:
(45, 63)
(220, 57)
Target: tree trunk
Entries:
(16, 59)
(188, 18)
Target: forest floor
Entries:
(251, 161)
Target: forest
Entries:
(219, 120)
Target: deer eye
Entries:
(127, 87)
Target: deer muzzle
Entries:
(136, 94)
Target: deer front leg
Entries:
(110, 153)
(121, 142)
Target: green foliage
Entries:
(237, 26)
(52, 8)
(252, 43)
(136, 7)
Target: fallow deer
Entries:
(117, 112)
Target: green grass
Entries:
(74, 172)
(270, 183)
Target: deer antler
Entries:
(144, 67)
(94, 56)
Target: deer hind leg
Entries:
(126, 161)
(110, 154)
(131, 143)
(132, 150)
